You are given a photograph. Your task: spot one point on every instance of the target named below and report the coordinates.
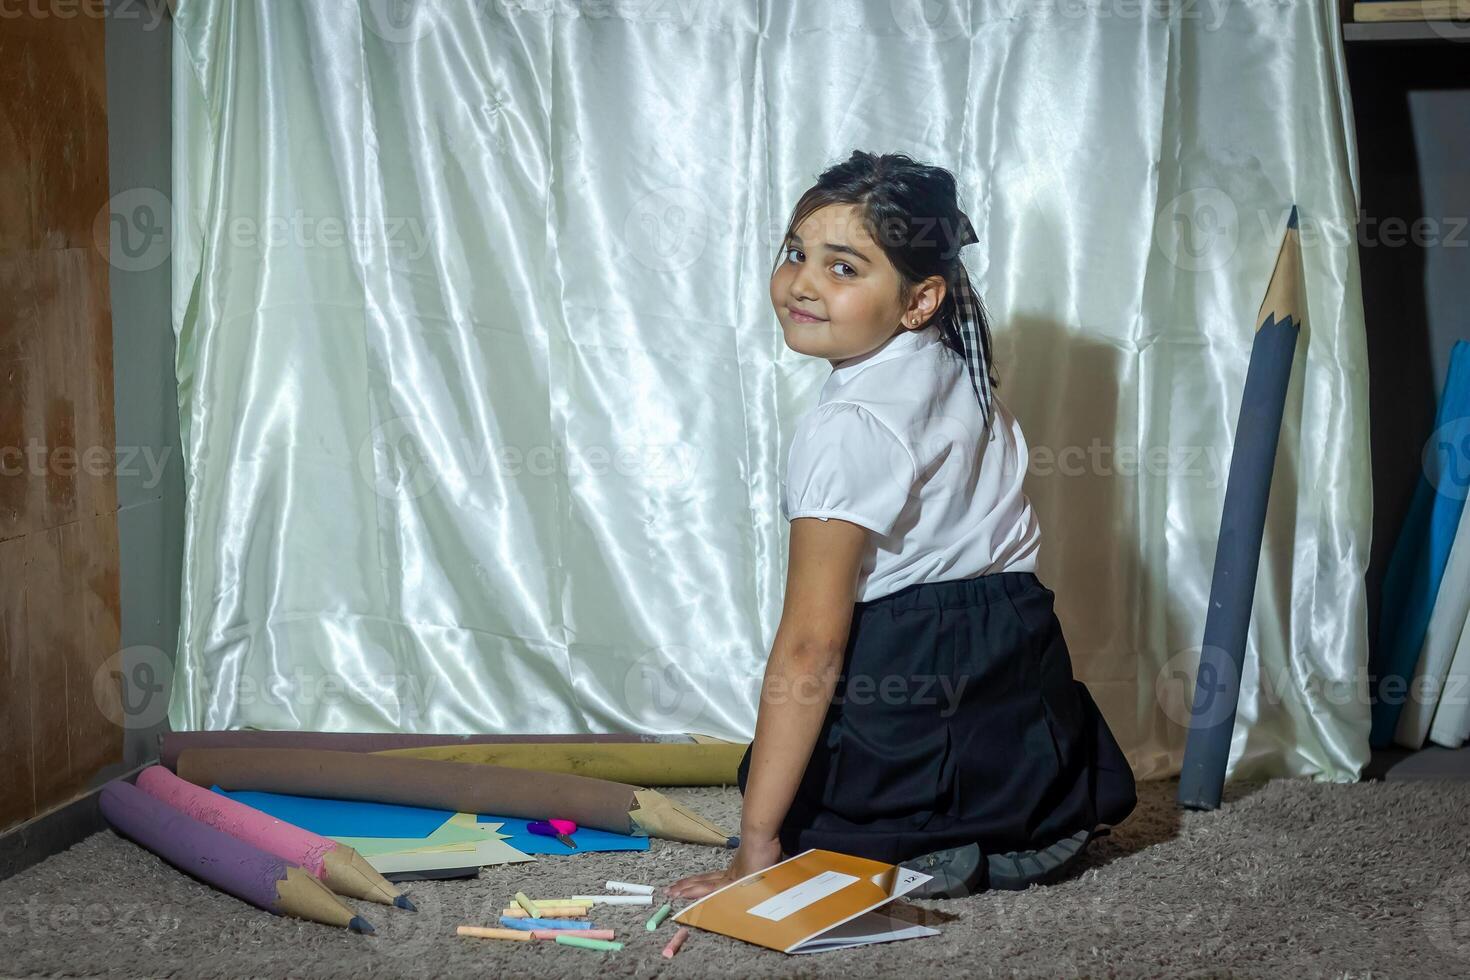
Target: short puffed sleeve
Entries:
(844, 462)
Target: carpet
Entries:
(1288, 877)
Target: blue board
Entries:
(344, 818)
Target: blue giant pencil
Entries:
(1242, 523)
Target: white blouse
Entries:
(895, 444)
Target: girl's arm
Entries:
(806, 657)
(801, 674)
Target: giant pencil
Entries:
(1242, 524)
(337, 866)
(714, 764)
(620, 808)
(170, 744)
(213, 856)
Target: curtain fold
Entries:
(485, 405)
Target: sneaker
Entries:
(960, 871)
(955, 872)
(1019, 870)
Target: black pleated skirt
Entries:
(957, 720)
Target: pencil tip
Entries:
(404, 902)
(359, 924)
(1291, 222)
(732, 842)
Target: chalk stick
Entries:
(556, 911)
(529, 924)
(629, 888)
(337, 866)
(542, 911)
(676, 942)
(526, 903)
(243, 870)
(480, 932)
(584, 933)
(541, 902)
(581, 943)
(658, 917)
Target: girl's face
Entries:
(834, 270)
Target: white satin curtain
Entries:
(485, 404)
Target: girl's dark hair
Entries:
(911, 210)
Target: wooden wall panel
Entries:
(59, 606)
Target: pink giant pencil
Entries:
(243, 870)
(338, 866)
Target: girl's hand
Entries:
(750, 857)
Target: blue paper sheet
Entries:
(344, 818)
(587, 840)
(1412, 577)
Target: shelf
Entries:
(1409, 32)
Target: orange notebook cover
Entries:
(810, 903)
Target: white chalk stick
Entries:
(629, 888)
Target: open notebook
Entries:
(811, 903)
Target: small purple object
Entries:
(560, 829)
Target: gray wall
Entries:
(150, 472)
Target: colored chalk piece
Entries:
(525, 903)
(542, 902)
(582, 943)
(676, 942)
(549, 911)
(629, 888)
(658, 917)
(481, 932)
(529, 924)
(584, 933)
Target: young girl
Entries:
(918, 705)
